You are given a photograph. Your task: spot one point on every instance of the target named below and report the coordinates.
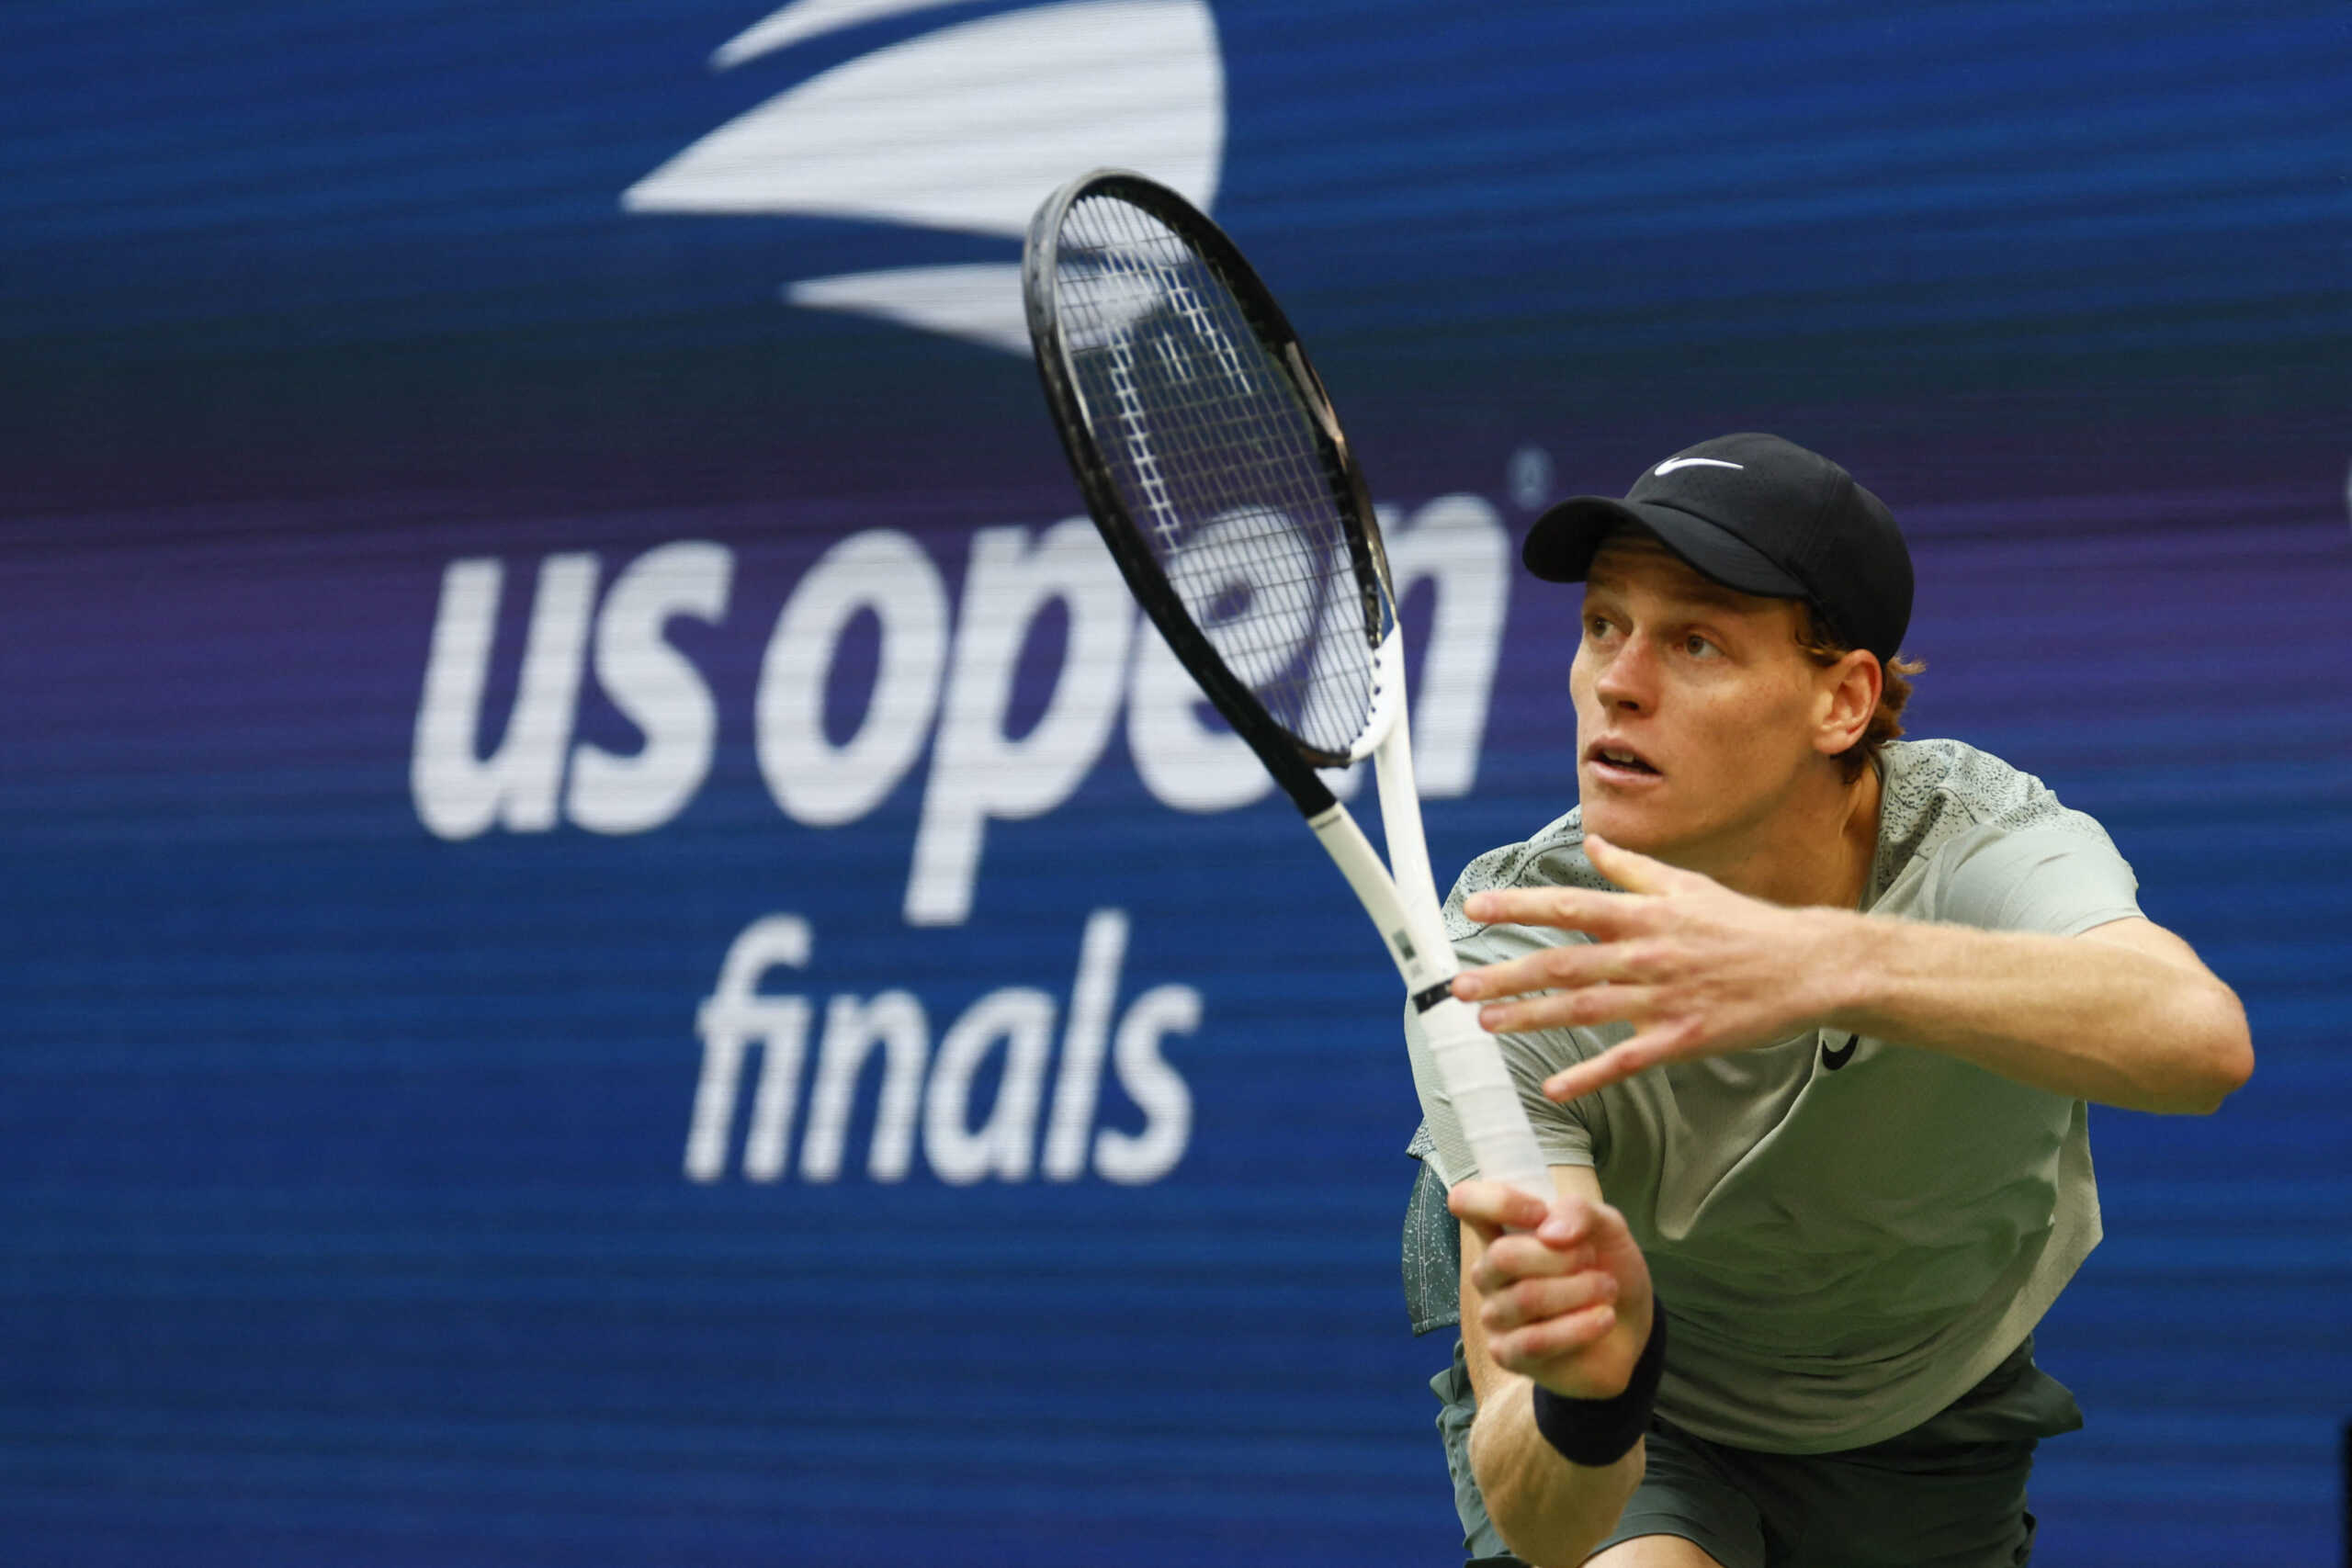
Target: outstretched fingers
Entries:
(1648, 1049)
(1580, 1008)
(1566, 966)
(1601, 915)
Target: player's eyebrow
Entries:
(1696, 592)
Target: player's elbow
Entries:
(2223, 1056)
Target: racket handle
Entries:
(1486, 1101)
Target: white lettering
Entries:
(1166, 1101)
(1457, 543)
(1186, 759)
(852, 1028)
(731, 1020)
(773, 1106)
(978, 772)
(1184, 763)
(958, 1154)
(656, 688)
(1078, 1083)
(457, 794)
(814, 781)
(1005, 1146)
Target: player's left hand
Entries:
(1697, 969)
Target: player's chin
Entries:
(1645, 826)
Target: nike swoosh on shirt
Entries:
(1673, 463)
(1833, 1060)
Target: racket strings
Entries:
(1217, 458)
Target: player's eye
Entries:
(1698, 647)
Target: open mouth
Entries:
(1621, 760)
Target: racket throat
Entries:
(1416, 946)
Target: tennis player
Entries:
(1806, 1019)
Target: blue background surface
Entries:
(342, 1207)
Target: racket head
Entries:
(1215, 466)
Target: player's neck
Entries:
(1817, 848)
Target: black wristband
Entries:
(1596, 1432)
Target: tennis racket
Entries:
(1214, 465)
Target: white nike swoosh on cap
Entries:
(1673, 463)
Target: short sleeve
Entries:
(1563, 1132)
(2063, 879)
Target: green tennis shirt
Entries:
(1849, 1233)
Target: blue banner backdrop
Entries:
(617, 949)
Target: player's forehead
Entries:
(1631, 560)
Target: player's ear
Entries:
(1846, 697)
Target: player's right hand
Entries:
(1564, 1293)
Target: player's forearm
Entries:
(1551, 1512)
(2075, 1015)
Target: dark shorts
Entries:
(1950, 1492)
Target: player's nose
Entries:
(1628, 677)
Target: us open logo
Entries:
(943, 689)
(964, 129)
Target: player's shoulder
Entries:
(1552, 857)
(1941, 796)
(1951, 785)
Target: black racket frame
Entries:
(1291, 760)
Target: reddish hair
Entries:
(1824, 647)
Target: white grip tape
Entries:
(1486, 1101)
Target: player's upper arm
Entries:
(2206, 1006)
(2143, 935)
(2059, 878)
(1569, 1181)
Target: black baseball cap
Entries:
(1762, 516)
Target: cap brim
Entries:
(1561, 544)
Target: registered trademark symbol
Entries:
(1528, 476)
